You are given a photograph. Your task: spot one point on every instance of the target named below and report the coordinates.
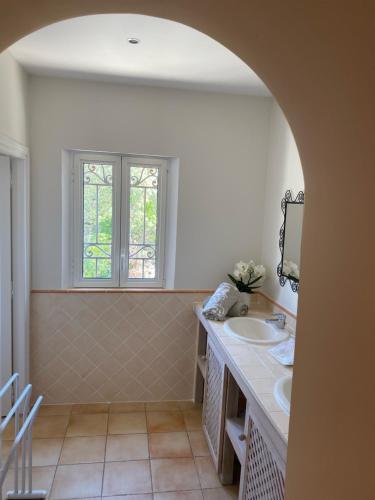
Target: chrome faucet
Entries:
(278, 319)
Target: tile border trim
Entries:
(119, 290)
(151, 291)
(273, 302)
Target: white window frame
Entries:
(161, 164)
(114, 160)
(120, 230)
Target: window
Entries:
(119, 220)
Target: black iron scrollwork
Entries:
(288, 198)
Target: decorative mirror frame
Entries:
(299, 200)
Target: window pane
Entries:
(143, 222)
(97, 221)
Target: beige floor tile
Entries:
(5, 448)
(165, 422)
(42, 479)
(88, 498)
(121, 478)
(126, 407)
(77, 481)
(179, 495)
(224, 493)
(176, 474)
(163, 406)
(189, 405)
(145, 496)
(207, 474)
(51, 426)
(198, 444)
(80, 450)
(9, 431)
(193, 420)
(48, 410)
(126, 447)
(87, 425)
(90, 409)
(127, 423)
(169, 445)
(45, 451)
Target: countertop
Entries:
(258, 369)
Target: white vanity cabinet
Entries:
(213, 403)
(262, 478)
(238, 429)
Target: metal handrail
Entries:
(22, 439)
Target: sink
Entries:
(282, 392)
(254, 330)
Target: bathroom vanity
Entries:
(242, 420)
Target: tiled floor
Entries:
(123, 451)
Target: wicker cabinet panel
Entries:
(213, 403)
(263, 478)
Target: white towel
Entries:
(217, 306)
(284, 352)
(239, 309)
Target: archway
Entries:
(313, 58)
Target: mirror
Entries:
(290, 239)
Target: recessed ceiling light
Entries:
(134, 41)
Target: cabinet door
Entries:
(213, 407)
(263, 479)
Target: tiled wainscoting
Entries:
(113, 346)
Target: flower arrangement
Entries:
(291, 269)
(246, 274)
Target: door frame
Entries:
(6, 310)
(20, 171)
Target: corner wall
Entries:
(13, 99)
(284, 171)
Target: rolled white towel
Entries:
(238, 309)
(218, 305)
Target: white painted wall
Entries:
(221, 141)
(13, 99)
(284, 171)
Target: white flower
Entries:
(286, 267)
(290, 268)
(241, 271)
(294, 271)
(248, 271)
(259, 270)
(236, 274)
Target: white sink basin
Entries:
(255, 331)
(283, 392)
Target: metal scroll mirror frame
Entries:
(288, 270)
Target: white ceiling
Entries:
(169, 54)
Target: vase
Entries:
(245, 298)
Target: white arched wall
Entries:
(317, 61)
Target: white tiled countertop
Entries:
(258, 369)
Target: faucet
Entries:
(278, 319)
